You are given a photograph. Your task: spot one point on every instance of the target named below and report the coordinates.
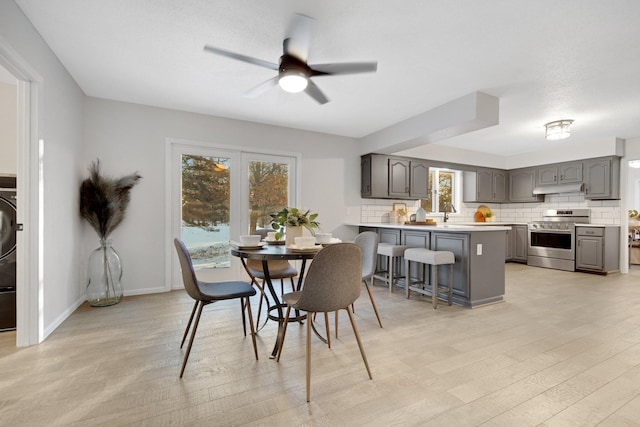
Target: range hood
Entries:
(559, 188)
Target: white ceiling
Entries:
(545, 60)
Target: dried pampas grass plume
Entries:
(104, 200)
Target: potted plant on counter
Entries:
(292, 221)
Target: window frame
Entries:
(456, 190)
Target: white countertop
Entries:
(440, 227)
(596, 225)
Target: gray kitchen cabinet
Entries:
(547, 175)
(419, 179)
(408, 178)
(601, 178)
(521, 185)
(570, 173)
(509, 243)
(484, 185)
(458, 243)
(561, 173)
(392, 177)
(365, 176)
(520, 242)
(374, 181)
(597, 248)
(399, 177)
(517, 242)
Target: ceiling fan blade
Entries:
(243, 58)
(261, 88)
(344, 68)
(298, 37)
(314, 91)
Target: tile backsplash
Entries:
(606, 212)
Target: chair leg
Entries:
(355, 332)
(434, 287)
(390, 270)
(336, 324)
(407, 278)
(193, 334)
(308, 361)
(373, 303)
(253, 330)
(244, 320)
(326, 324)
(186, 331)
(261, 289)
(284, 331)
(451, 285)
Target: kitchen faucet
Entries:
(453, 209)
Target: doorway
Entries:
(29, 283)
(8, 198)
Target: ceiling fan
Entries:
(294, 73)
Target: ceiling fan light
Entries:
(559, 129)
(293, 82)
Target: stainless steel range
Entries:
(552, 241)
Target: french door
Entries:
(218, 194)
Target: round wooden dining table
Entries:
(276, 252)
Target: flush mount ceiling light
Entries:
(634, 163)
(558, 129)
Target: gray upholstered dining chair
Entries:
(205, 293)
(333, 283)
(278, 270)
(368, 242)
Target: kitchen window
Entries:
(445, 189)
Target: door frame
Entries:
(171, 260)
(29, 262)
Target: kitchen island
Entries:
(478, 273)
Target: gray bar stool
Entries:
(393, 253)
(434, 258)
(392, 273)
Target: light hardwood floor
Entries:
(563, 350)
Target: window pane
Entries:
(205, 210)
(445, 189)
(268, 192)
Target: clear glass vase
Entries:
(105, 272)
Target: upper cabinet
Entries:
(601, 178)
(399, 177)
(485, 185)
(521, 185)
(394, 177)
(563, 173)
(384, 177)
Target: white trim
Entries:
(30, 283)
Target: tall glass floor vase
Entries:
(105, 272)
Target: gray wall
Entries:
(60, 126)
(130, 137)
